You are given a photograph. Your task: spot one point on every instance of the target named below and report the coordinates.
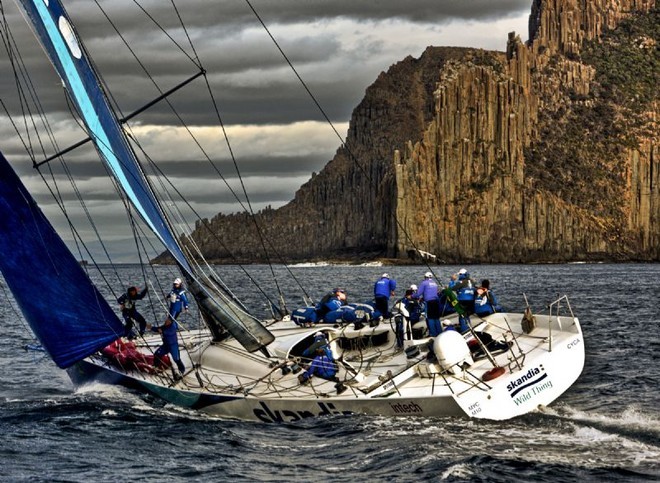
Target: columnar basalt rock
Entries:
(481, 156)
(471, 177)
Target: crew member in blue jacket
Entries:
(331, 302)
(384, 288)
(465, 293)
(428, 291)
(485, 302)
(178, 299)
(323, 365)
(465, 290)
(169, 330)
(129, 311)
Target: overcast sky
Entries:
(277, 134)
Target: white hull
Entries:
(379, 380)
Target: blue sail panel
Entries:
(58, 38)
(65, 310)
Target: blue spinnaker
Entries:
(65, 310)
(60, 41)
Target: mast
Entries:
(68, 55)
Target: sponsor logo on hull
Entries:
(268, 415)
(531, 384)
(406, 408)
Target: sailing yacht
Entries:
(241, 367)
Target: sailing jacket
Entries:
(322, 366)
(178, 301)
(464, 288)
(329, 303)
(486, 302)
(427, 290)
(413, 307)
(384, 287)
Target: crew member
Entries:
(127, 304)
(384, 289)
(428, 291)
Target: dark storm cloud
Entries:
(232, 14)
(99, 192)
(273, 166)
(230, 41)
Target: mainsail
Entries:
(64, 309)
(67, 53)
(57, 36)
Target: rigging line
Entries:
(247, 198)
(135, 227)
(58, 198)
(197, 142)
(302, 82)
(148, 184)
(185, 30)
(142, 237)
(127, 118)
(203, 222)
(73, 228)
(162, 176)
(83, 204)
(59, 203)
(196, 59)
(346, 147)
(224, 291)
(173, 109)
(22, 73)
(129, 212)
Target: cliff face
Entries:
(533, 163)
(347, 209)
(547, 152)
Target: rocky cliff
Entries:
(547, 152)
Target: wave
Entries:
(309, 265)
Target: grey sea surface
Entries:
(605, 428)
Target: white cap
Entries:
(462, 271)
(428, 275)
(385, 275)
(318, 334)
(177, 281)
(447, 323)
(413, 287)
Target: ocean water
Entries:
(605, 428)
